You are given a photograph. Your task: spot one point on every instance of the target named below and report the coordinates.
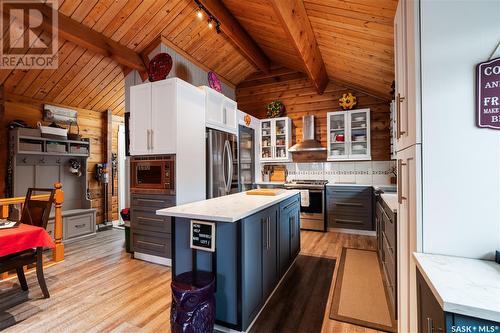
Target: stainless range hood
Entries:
(308, 142)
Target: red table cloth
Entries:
(22, 238)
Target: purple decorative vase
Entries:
(193, 303)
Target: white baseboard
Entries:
(354, 231)
(153, 259)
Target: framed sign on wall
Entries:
(202, 235)
(488, 94)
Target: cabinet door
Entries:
(214, 108)
(163, 117)
(251, 267)
(281, 139)
(284, 240)
(294, 220)
(266, 142)
(408, 235)
(337, 136)
(140, 119)
(431, 317)
(229, 115)
(359, 134)
(406, 73)
(269, 251)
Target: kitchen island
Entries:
(256, 240)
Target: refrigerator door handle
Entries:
(230, 168)
(224, 160)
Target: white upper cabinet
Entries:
(163, 117)
(153, 118)
(140, 119)
(348, 135)
(220, 111)
(275, 139)
(406, 75)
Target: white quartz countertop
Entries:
(391, 199)
(464, 286)
(229, 208)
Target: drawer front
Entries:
(349, 221)
(79, 225)
(152, 201)
(145, 220)
(389, 264)
(350, 210)
(389, 231)
(157, 244)
(349, 190)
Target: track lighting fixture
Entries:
(212, 21)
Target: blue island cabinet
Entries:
(251, 256)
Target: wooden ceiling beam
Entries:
(85, 37)
(233, 30)
(295, 22)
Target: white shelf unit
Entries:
(275, 139)
(349, 135)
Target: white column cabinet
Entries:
(348, 135)
(275, 139)
(220, 111)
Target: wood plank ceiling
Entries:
(355, 39)
(89, 80)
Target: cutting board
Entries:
(266, 191)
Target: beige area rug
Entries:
(359, 297)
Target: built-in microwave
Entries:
(153, 174)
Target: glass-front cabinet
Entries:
(349, 135)
(275, 139)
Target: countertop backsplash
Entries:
(362, 172)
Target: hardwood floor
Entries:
(98, 288)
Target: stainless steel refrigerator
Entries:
(222, 163)
(247, 158)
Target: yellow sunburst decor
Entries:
(347, 101)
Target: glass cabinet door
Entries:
(359, 140)
(338, 147)
(266, 140)
(281, 140)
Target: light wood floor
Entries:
(98, 288)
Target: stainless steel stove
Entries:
(312, 215)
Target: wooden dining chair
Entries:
(35, 212)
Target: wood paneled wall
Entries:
(91, 124)
(300, 99)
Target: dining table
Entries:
(23, 237)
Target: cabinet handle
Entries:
(349, 204)
(78, 226)
(149, 219)
(224, 116)
(349, 221)
(430, 326)
(268, 232)
(152, 139)
(399, 100)
(150, 200)
(400, 181)
(149, 134)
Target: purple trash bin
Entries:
(193, 303)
